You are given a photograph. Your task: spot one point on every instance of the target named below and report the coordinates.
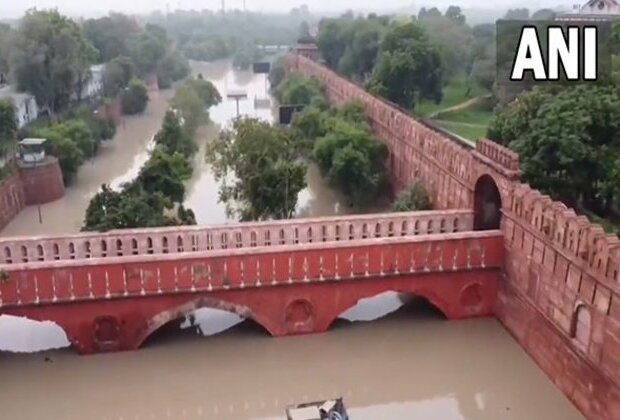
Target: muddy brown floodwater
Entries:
(408, 364)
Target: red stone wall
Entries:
(560, 297)
(289, 289)
(12, 199)
(42, 183)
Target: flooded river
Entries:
(410, 364)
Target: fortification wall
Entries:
(42, 183)
(560, 296)
(12, 199)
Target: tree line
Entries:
(155, 197)
(207, 36)
(50, 56)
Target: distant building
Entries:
(26, 109)
(95, 84)
(594, 10)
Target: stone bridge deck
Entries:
(243, 235)
(297, 285)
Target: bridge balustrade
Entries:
(242, 235)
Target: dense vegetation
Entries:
(206, 35)
(155, 197)
(264, 162)
(339, 140)
(134, 50)
(50, 56)
(414, 198)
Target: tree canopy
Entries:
(51, 58)
(409, 67)
(135, 97)
(256, 164)
(568, 139)
(8, 126)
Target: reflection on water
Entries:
(119, 160)
(409, 365)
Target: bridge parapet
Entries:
(500, 158)
(242, 235)
(56, 282)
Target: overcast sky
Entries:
(12, 9)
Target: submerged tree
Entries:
(51, 58)
(257, 166)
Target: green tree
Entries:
(135, 97)
(69, 155)
(146, 50)
(299, 90)
(353, 160)
(518, 14)
(544, 14)
(8, 126)
(267, 176)
(190, 107)
(51, 58)
(332, 41)
(111, 34)
(173, 138)
(455, 14)
(127, 209)
(164, 173)
(364, 41)
(117, 75)
(6, 43)
(414, 198)
(568, 139)
(172, 67)
(206, 90)
(409, 67)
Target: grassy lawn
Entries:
(453, 94)
(468, 131)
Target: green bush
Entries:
(414, 198)
(135, 97)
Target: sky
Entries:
(13, 9)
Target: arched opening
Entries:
(581, 326)
(201, 318)
(387, 305)
(24, 335)
(487, 204)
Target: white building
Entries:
(95, 83)
(601, 7)
(594, 10)
(26, 109)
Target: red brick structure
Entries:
(12, 199)
(560, 296)
(109, 292)
(558, 274)
(29, 185)
(42, 183)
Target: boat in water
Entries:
(320, 410)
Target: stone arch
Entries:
(487, 204)
(434, 299)
(177, 312)
(581, 326)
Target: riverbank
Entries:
(119, 158)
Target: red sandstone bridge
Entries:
(111, 291)
(551, 277)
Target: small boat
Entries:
(320, 410)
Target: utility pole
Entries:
(223, 7)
